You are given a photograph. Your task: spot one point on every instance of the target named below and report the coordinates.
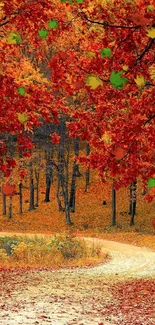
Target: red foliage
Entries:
(55, 138)
(111, 103)
(9, 189)
(119, 153)
(133, 302)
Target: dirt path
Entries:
(83, 296)
(127, 261)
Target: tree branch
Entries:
(148, 120)
(146, 50)
(141, 55)
(107, 24)
(3, 24)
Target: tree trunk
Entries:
(10, 208)
(66, 195)
(66, 199)
(113, 219)
(58, 194)
(31, 205)
(48, 187)
(130, 203)
(37, 174)
(67, 207)
(63, 168)
(49, 178)
(133, 203)
(61, 173)
(4, 203)
(20, 190)
(73, 188)
(87, 175)
(20, 198)
(76, 152)
(75, 173)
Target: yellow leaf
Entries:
(93, 81)
(150, 8)
(90, 54)
(140, 81)
(124, 110)
(151, 33)
(152, 72)
(23, 117)
(125, 67)
(106, 138)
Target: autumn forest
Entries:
(77, 162)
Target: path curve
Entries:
(79, 296)
(127, 261)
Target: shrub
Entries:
(41, 251)
(4, 258)
(20, 252)
(70, 248)
(9, 245)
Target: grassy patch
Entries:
(58, 251)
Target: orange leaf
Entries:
(119, 153)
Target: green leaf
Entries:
(106, 52)
(53, 24)
(17, 38)
(151, 182)
(79, 1)
(43, 33)
(70, 1)
(21, 91)
(116, 80)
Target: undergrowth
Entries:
(57, 251)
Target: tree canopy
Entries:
(94, 61)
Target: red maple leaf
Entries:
(55, 138)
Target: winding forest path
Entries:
(121, 291)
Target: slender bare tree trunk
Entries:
(66, 187)
(87, 175)
(20, 190)
(75, 173)
(61, 167)
(133, 203)
(73, 188)
(76, 152)
(49, 176)
(10, 208)
(37, 174)
(20, 197)
(59, 193)
(31, 205)
(4, 203)
(130, 200)
(63, 170)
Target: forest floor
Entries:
(119, 292)
(91, 217)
